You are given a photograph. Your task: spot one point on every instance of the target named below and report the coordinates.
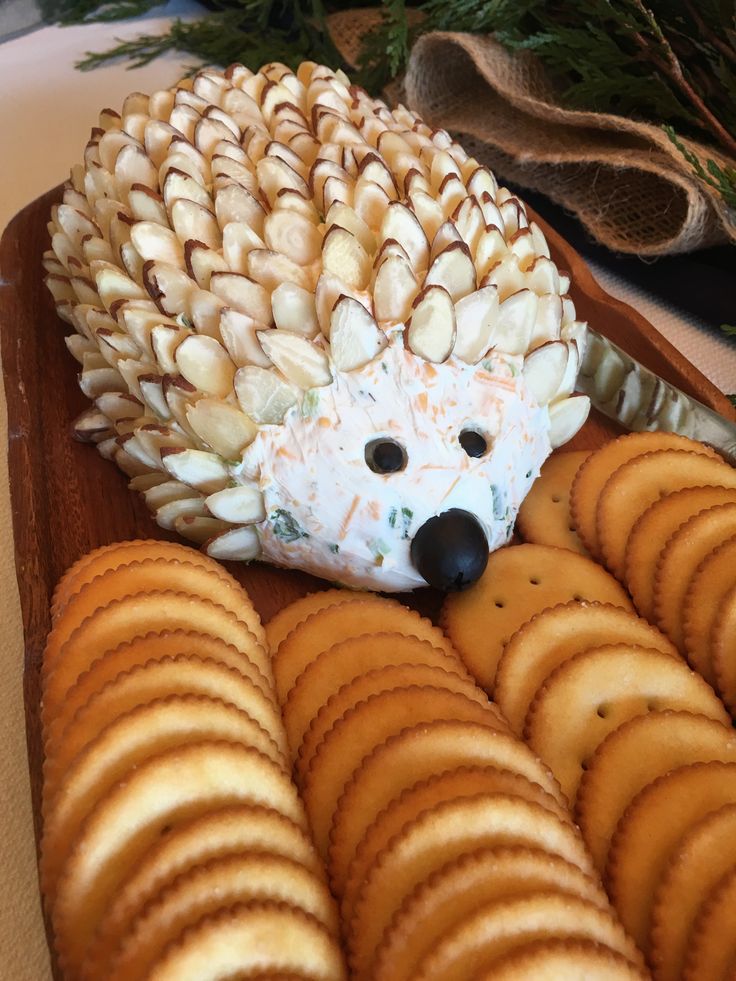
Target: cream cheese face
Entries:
(328, 513)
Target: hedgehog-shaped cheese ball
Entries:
(314, 330)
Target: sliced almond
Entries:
(476, 315)
(179, 185)
(92, 427)
(294, 310)
(453, 269)
(548, 320)
(242, 505)
(302, 362)
(370, 202)
(234, 204)
(329, 289)
(153, 241)
(345, 257)
(506, 276)
(78, 346)
(147, 205)
(168, 514)
(431, 330)
(206, 365)
(567, 383)
(236, 545)
(566, 418)
(270, 268)
(118, 405)
(239, 334)
(273, 175)
(293, 235)
(544, 369)
(147, 482)
(226, 170)
(165, 339)
(402, 224)
(481, 181)
(152, 390)
(202, 261)
(521, 245)
(451, 194)
(198, 529)
(263, 395)
(243, 294)
(192, 221)
(114, 285)
(394, 290)
(204, 471)
(515, 323)
(169, 287)
(237, 241)
(155, 439)
(442, 166)
(355, 338)
(542, 275)
(222, 426)
(470, 222)
(446, 234)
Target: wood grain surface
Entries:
(67, 500)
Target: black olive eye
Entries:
(385, 456)
(473, 443)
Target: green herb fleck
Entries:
(499, 503)
(380, 549)
(392, 517)
(528, 474)
(286, 527)
(384, 367)
(310, 402)
(334, 548)
(406, 515)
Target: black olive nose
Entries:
(450, 550)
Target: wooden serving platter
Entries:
(67, 500)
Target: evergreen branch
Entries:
(729, 329)
(721, 179)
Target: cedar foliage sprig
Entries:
(663, 61)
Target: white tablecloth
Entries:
(46, 111)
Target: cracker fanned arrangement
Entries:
(310, 324)
(315, 331)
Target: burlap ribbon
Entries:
(624, 179)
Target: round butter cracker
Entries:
(593, 693)
(632, 757)
(544, 515)
(451, 895)
(649, 832)
(520, 581)
(709, 586)
(652, 531)
(595, 471)
(635, 485)
(553, 636)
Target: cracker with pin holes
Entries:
(544, 516)
(694, 869)
(211, 888)
(167, 789)
(595, 471)
(551, 637)
(635, 485)
(215, 834)
(141, 650)
(496, 929)
(520, 581)
(371, 683)
(451, 895)
(713, 580)
(649, 832)
(593, 693)
(632, 757)
(652, 532)
(125, 619)
(438, 836)
(269, 937)
(370, 722)
(346, 661)
(320, 630)
(414, 754)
